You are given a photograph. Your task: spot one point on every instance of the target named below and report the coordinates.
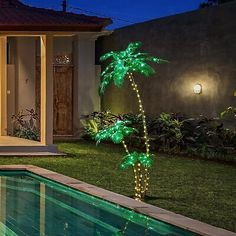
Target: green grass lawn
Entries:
(200, 189)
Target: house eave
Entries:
(80, 34)
(49, 28)
(93, 35)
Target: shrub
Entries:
(166, 131)
(230, 111)
(174, 133)
(97, 121)
(25, 125)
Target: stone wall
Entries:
(201, 48)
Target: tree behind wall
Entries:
(210, 3)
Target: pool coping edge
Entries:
(157, 213)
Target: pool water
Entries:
(34, 206)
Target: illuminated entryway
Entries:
(46, 88)
(47, 26)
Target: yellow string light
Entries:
(139, 65)
(141, 189)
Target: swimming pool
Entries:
(33, 205)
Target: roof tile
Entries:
(14, 15)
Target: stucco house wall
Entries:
(25, 73)
(22, 75)
(201, 48)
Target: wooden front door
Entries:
(63, 100)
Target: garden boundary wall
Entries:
(201, 48)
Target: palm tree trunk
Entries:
(137, 192)
(143, 174)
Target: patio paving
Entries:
(13, 141)
(13, 146)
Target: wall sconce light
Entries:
(197, 88)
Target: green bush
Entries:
(173, 133)
(230, 111)
(25, 125)
(95, 122)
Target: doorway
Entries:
(63, 99)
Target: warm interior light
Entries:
(197, 88)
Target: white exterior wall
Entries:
(86, 75)
(11, 99)
(25, 72)
(63, 45)
(88, 98)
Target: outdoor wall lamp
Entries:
(197, 88)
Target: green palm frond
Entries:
(116, 132)
(133, 158)
(107, 55)
(132, 47)
(124, 62)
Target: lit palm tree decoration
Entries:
(123, 65)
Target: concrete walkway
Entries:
(13, 141)
(12, 146)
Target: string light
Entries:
(135, 87)
(125, 147)
(116, 132)
(122, 65)
(144, 188)
(125, 61)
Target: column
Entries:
(46, 118)
(3, 85)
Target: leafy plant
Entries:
(230, 111)
(176, 133)
(197, 131)
(25, 125)
(208, 152)
(169, 135)
(209, 3)
(97, 121)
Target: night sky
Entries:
(123, 12)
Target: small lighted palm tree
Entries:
(123, 65)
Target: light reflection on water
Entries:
(33, 206)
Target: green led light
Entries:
(133, 158)
(116, 132)
(124, 62)
(123, 65)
